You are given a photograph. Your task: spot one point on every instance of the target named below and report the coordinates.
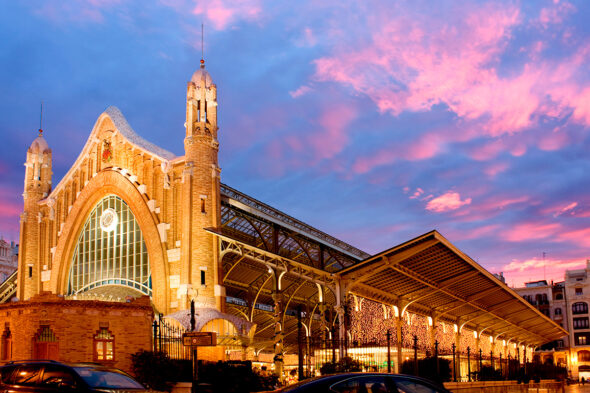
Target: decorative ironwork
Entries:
(168, 339)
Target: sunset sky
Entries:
(374, 121)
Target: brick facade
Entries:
(172, 197)
(74, 324)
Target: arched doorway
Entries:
(45, 345)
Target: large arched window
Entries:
(110, 250)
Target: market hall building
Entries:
(133, 231)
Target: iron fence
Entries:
(168, 339)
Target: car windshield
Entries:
(98, 378)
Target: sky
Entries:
(374, 121)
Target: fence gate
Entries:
(168, 339)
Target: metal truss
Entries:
(274, 261)
(264, 216)
(8, 288)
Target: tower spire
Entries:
(41, 120)
(202, 46)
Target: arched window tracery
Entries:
(110, 250)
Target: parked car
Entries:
(365, 383)
(51, 376)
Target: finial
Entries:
(202, 47)
(41, 120)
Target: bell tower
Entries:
(200, 271)
(37, 187)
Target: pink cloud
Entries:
(531, 231)
(222, 13)
(488, 150)
(300, 91)
(569, 208)
(417, 193)
(554, 141)
(415, 61)
(518, 272)
(580, 237)
(333, 136)
(450, 200)
(556, 13)
(495, 168)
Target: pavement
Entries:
(577, 388)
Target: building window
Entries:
(104, 346)
(579, 291)
(580, 308)
(581, 323)
(581, 338)
(202, 277)
(110, 251)
(45, 344)
(559, 296)
(6, 344)
(558, 311)
(584, 356)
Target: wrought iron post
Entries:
(469, 363)
(388, 335)
(299, 345)
(492, 359)
(160, 332)
(333, 332)
(415, 355)
(193, 315)
(454, 373)
(155, 326)
(436, 357)
(501, 374)
(509, 371)
(480, 362)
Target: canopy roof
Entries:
(429, 276)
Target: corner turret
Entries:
(37, 187)
(200, 271)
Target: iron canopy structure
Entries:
(429, 276)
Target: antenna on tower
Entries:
(544, 267)
(202, 46)
(41, 120)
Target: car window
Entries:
(55, 376)
(27, 375)
(413, 386)
(363, 384)
(100, 378)
(6, 373)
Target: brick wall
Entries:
(74, 324)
